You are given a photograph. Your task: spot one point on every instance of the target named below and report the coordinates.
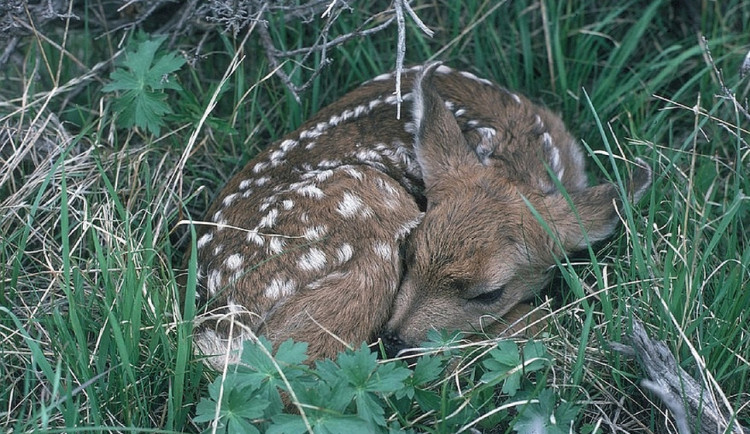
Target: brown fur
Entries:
(480, 249)
(304, 241)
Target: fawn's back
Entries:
(305, 241)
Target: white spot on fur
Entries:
(383, 77)
(459, 112)
(471, 76)
(472, 123)
(547, 140)
(487, 132)
(313, 260)
(393, 99)
(247, 194)
(310, 134)
(354, 173)
(288, 145)
(344, 253)
(442, 69)
(383, 250)
(269, 220)
(259, 168)
(349, 205)
(515, 97)
(218, 249)
(280, 287)
(334, 120)
(214, 282)
(246, 183)
(277, 154)
(315, 233)
(276, 245)
(323, 175)
(287, 204)
(233, 262)
(229, 199)
(310, 191)
(310, 145)
(254, 237)
(234, 308)
(262, 181)
(367, 155)
(205, 239)
(408, 227)
(217, 216)
(360, 110)
(328, 164)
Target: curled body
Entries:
(359, 224)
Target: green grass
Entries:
(93, 335)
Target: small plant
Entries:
(357, 393)
(142, 79)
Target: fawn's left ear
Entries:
(593, 216)
(440, 147)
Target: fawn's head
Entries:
(486, 243)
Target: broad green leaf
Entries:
(142, 78)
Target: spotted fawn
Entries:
(359, 225)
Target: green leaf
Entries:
(237, 407)
(427, 400)
(142, 80)
(442, 339)
(358, 365)
(388, 378)
(370, 408)
(535, 356)
(427, 369)
(291, 353)
(501, 360)
(506, 364)
(531, 419)
(512, 383)
(287, 424)
(259, 371)
(543, 417)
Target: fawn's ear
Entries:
(440, 147)
(594, 213)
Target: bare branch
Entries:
(691, 403)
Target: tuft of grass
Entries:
(94, 334)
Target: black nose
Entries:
(392, 343)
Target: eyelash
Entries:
(489, 297)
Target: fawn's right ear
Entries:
(440, 147)
(594, 213)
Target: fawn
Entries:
(309, 240)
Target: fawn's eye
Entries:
(489, 297)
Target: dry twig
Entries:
(690, 403)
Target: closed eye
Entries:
(489, 297)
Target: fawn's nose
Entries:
(392, 343)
